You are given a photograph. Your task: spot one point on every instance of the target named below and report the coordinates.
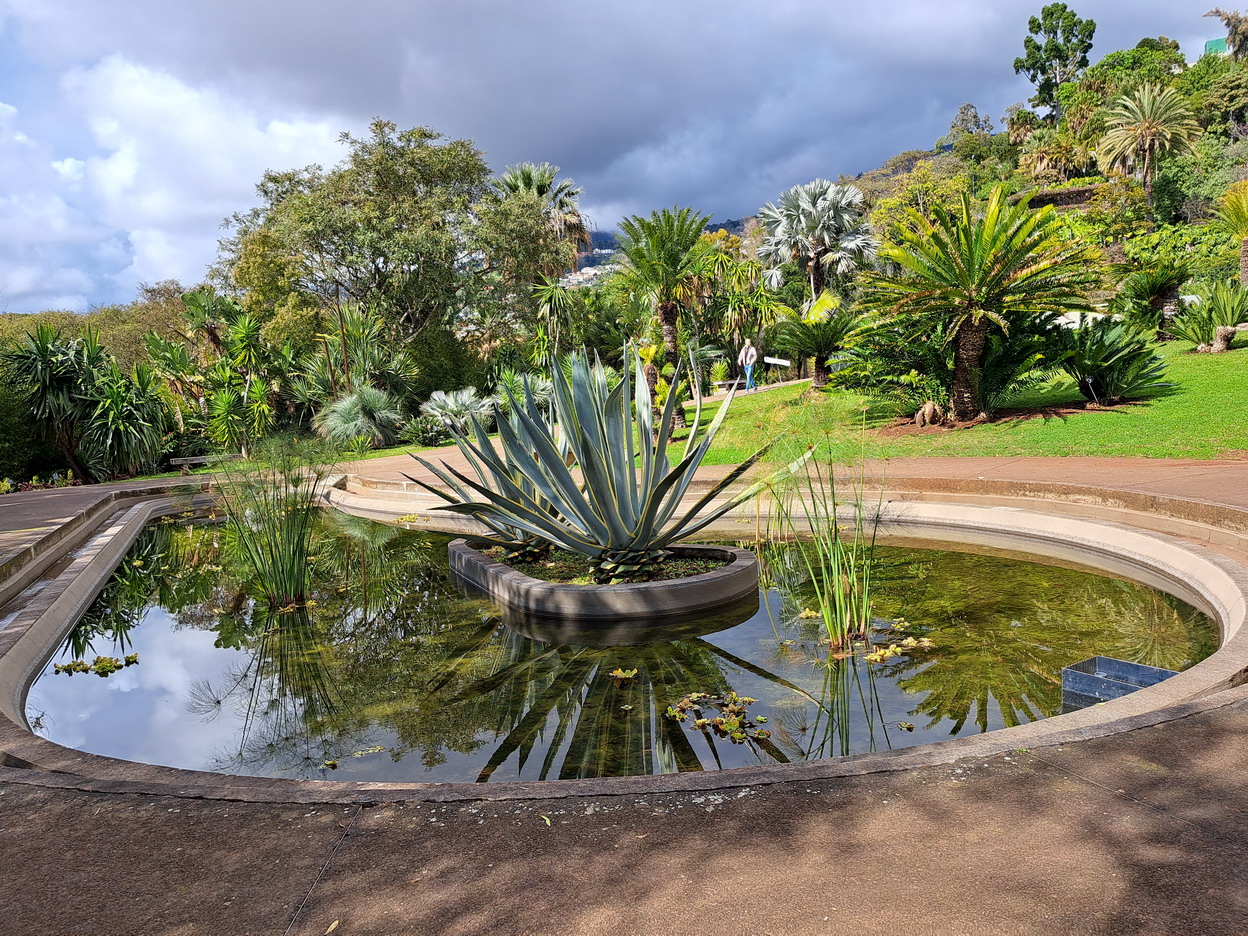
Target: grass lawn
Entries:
(1201, 416)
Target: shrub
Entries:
(365, 412)
(457, 408)
(1111, 361)
(425, 431)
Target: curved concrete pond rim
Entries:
(1201, 576)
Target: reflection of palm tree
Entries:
(591, 723)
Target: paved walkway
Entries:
(1141, 832)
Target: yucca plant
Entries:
(1111, 361)
(626, 512)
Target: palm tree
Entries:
(558, 197)
(819, 224)
(973, 271)
(1050, 153)
(1233, 213)
(666, 261)
(1145, 125)
(828, 328)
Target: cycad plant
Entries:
(1111, 361)
(1211, 323)
(626, 511)
(826, 332)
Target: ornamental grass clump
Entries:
(624, 512)
(270, 504)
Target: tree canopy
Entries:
(1054, 51)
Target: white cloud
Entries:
(167, 114)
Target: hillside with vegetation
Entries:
(1066, 277)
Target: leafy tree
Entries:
(1225, 104)
(930, 184)
(818, 225)
(970, 273)
(1144, 126)
(666, 260)
(387, 227)
(1054, 52)
(1124, 70)
(1118, 210)
(1236, 24)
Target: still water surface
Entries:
(393, 675)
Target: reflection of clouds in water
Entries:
(144, 718)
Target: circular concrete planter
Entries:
(618, 613)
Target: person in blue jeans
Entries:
(747, 359)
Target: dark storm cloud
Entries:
(719, 105)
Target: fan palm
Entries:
(666, 260)
(1233, 214)
(970, 272)
(558, 198)
(1145, 125)
(819, 224)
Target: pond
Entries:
(390, 674)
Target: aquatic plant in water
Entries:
(833, 543)
(270, 504)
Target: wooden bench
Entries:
(185, 463)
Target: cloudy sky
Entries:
(129, 129)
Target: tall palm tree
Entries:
(1233, 213)
(819, 224)
(666, 261)
(1145, 125)
(973, 271)
(558, 197)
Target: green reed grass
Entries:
(271, 505)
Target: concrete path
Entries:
(1141, 832)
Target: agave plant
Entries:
(626, 512)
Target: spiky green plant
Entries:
(366, 412)
(271, 503)
(626, 511)
(1222, 305)
(1111, 361)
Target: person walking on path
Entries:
(747, 358)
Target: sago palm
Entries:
(1145, 125)
(828, 329)
(973, 271)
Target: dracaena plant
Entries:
(625, 510)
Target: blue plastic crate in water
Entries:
(1100, 679)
